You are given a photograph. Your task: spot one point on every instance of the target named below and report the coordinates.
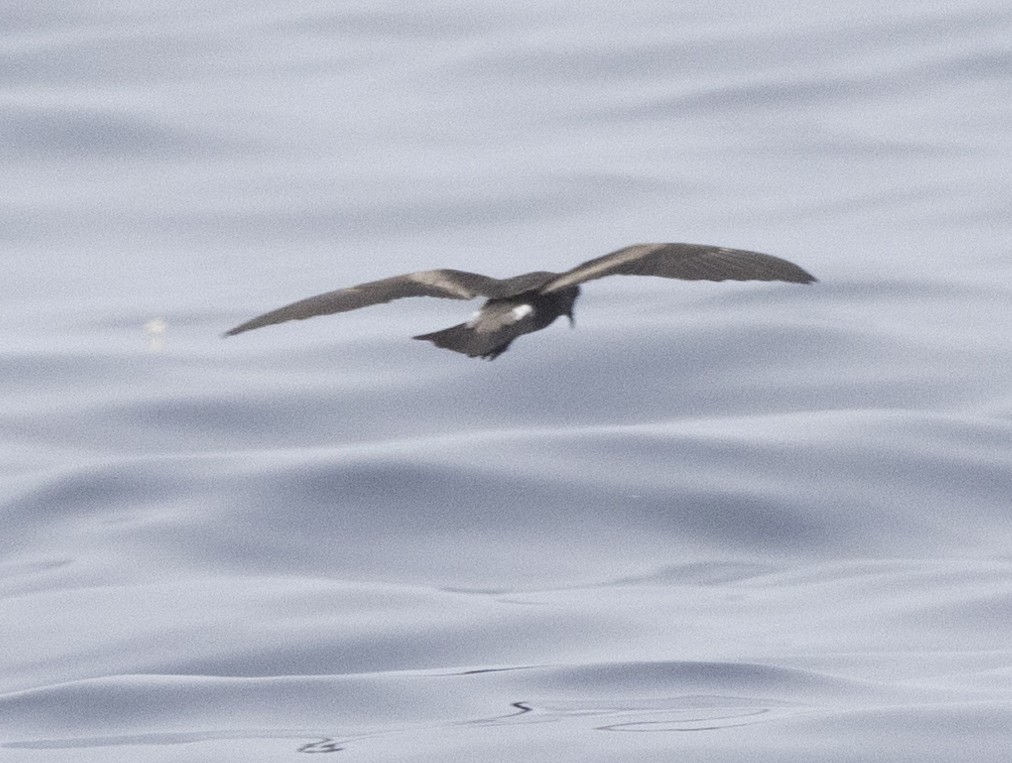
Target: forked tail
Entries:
(463, 338)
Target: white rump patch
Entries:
(520, 311)
(473, 319)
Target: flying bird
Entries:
(532, 301)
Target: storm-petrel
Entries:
(530, 302)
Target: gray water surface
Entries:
(777, 517)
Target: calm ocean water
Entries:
(714, 522)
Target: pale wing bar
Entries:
(447, 284)
(689, 262)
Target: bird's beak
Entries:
(572, 321)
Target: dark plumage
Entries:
(530, 302)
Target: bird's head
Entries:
(567, 299)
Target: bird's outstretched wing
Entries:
(448, 284)
(690, 262)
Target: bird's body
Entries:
(532, 301)
(488, 334)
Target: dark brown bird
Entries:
(530, 302)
